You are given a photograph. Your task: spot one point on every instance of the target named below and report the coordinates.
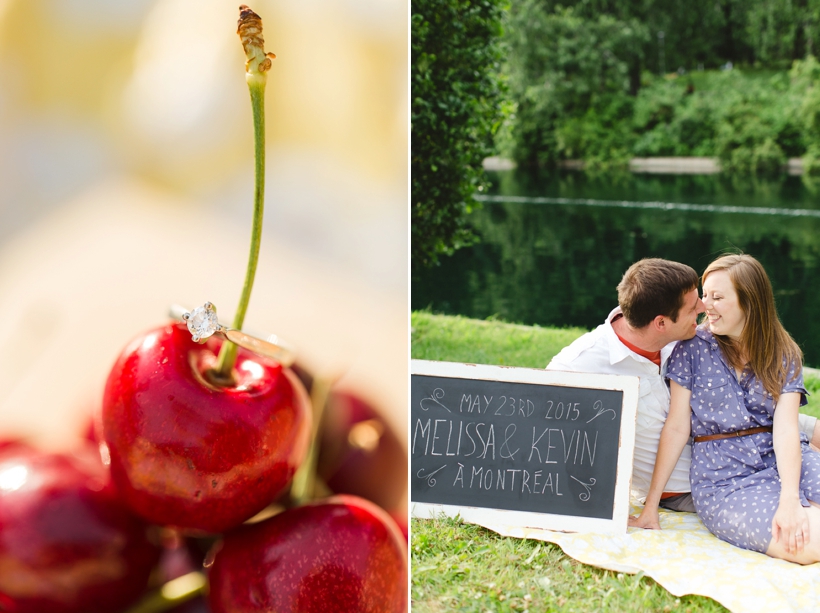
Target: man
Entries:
(658, 306)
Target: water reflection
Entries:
(558, 264)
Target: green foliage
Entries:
(805, 78)
(581, 81)
(811, 164)
(756, 122)
(673, 119)
(752, 121)
(779, 31)
(455, 111)
(770, 33)
(570, 80)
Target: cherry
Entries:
(196, 441)
(177, 561)
(400, 517)
(67, 543)
(360, 453)
(191, 454)
(340, 554)
(14, 446)
(91, 430)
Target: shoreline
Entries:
(655, 165)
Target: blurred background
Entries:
(126, 182)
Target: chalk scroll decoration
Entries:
(430, 477)
(586, 495)
(434, 401)
(599, 409)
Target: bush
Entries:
(760, 33)
(752, 120)
(805, 78)
(570, 79)
(579, 78)
(455, 110)
(601, 136)
(746, 144)
(672, 118)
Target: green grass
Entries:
(812, 382)
(461, 567)
(459, 339)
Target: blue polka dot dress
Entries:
(735, 484)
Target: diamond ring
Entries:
(202, 323)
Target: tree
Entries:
(456, 109)
(570, 77)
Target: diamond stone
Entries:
(202, 322)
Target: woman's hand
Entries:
(648, 519)
(674, 435)
(790, 525)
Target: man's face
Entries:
(687, 322)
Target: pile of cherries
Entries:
(179, 466)
(194, 463)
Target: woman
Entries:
(736, 387)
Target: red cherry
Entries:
(193, 455)
(177, 560)
(92, 429)
(360, 453)
(341, 554)
(13, 446)
(67, 543)
(400, 517)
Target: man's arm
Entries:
(808, 426)
(581, 355)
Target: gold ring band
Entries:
(203, 323)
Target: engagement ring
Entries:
(202, 323)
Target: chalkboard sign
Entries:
(521, 446)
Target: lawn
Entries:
(461, 567)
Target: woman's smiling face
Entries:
(722, 306)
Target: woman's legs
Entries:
(811, 551)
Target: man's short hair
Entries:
(653, 287)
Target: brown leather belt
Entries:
(716, 437)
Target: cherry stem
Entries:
(227, 355)
(172, 594)
(304, 481)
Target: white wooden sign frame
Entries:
(630, 386)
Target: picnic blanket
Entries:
(685, 558)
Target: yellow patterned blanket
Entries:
(686, 559)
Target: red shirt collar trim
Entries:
(652, 356)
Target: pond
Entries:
(553, 247)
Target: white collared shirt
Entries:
(601, 351)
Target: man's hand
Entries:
(648, 519)
(815, 437)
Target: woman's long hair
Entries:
(768, 347)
